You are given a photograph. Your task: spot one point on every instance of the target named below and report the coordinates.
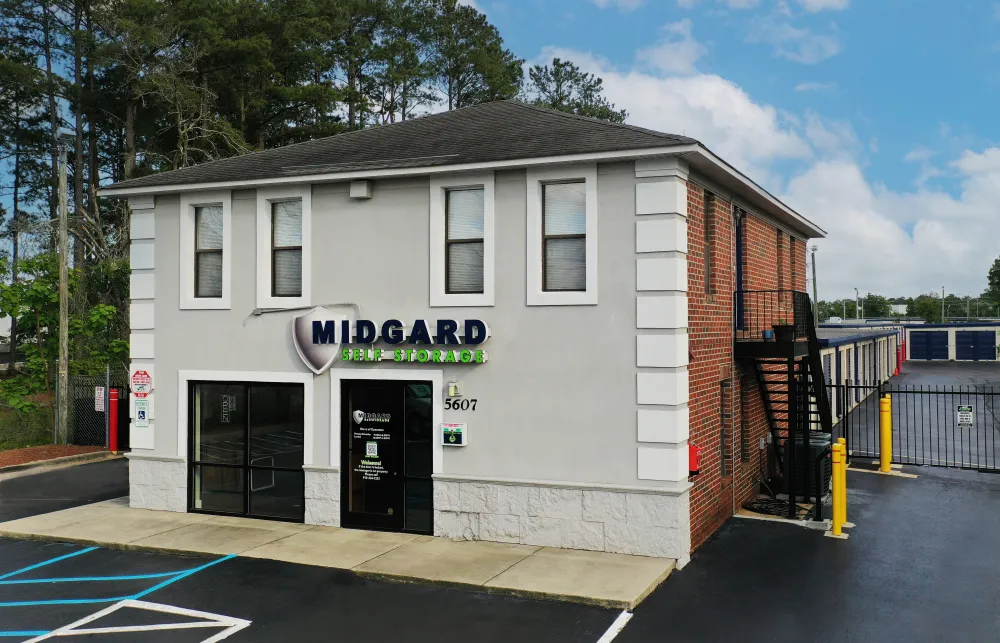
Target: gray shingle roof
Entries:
(498, 131)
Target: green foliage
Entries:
(34, 303)
(926, 307)
(993, 282)
(563, 86)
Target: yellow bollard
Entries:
(843, 480)
(885, 433)
(836, 524)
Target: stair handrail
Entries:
(816, 372)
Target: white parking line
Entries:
(231, 624)
(616, 627)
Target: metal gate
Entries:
(942, 426)
(88, 408)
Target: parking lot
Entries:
(919, 566)
(47, 589)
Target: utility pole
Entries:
(815, 298)
(942, 304)
(967, 307)
(857, 309)
(62, 409)
(843, 302)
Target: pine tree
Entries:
(563, 86)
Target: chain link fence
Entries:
(89, 404)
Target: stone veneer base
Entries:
(157, 483)
(322, 496)
(628, 522)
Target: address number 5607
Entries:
(460, 405)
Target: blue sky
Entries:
(875, 118)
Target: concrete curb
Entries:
(80, 458)
(378, 576)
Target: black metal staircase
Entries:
(775, 338)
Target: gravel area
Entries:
(33, 454)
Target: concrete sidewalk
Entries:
(593, 578)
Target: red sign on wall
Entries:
(142, 383)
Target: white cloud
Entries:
(622, 5)
(814, 6)
(710, 108)
(740, 4)
(893, 242)
(918, 154)
(815, 87)
(799, 44)
(686, 4)
(677, 53)
(901, 242)
(470, 3)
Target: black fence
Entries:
(944, 426)
(771, 315)
(89, 405)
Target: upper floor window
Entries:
(286, 249)
(464, 241)
(284, 233)
(562, 236)
(461, 223)
(205, 250)
(208, 251)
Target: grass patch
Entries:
(20, 429)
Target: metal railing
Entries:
(945, 426)
(771, 315)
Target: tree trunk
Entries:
(94, 163)
(53, 116)
(15, 232)
(79, 245)
(131, 107)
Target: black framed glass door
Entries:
(386, 455)
(246, 449)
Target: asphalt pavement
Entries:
(37, 491)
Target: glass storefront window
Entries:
(246, 449)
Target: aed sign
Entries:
(322, 336)
(453, 435)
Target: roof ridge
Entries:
(344, 133)
(579, 117)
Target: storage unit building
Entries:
(972, 342)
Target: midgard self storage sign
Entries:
(321, 337)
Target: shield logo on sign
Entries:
(323, 326)
(359, 417)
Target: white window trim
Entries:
(265, 197)
(438, 203)
(184, 378)
(436, 378)
(536, 178)
(188, 203)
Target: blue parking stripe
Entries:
(83, 601)
(180, 576)
(88, 579)
(47, 562)
(25, 633)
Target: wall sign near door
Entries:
(454, 434)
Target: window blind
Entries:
(564, 237)
(208, 251)
(464, 226)
(286, 244)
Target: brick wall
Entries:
(729, 476)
